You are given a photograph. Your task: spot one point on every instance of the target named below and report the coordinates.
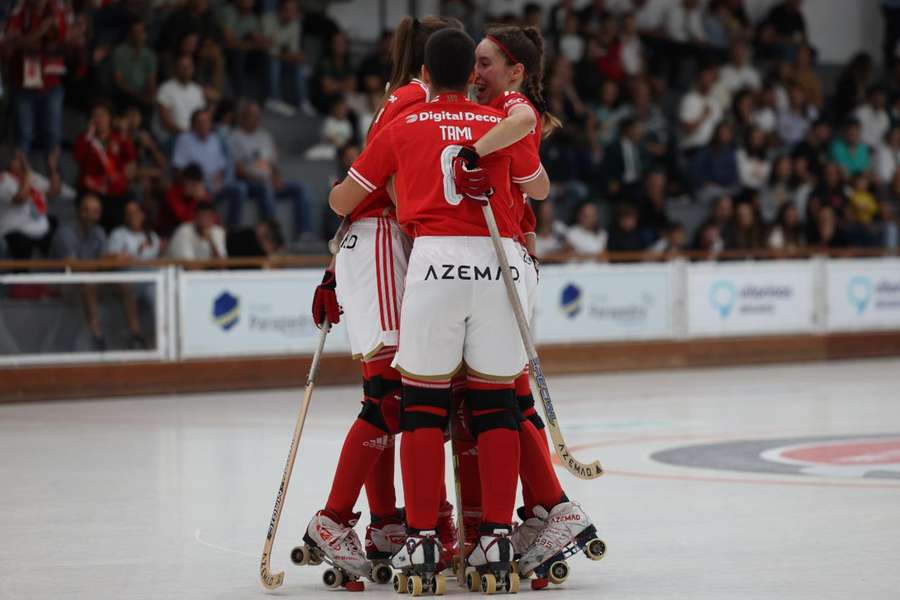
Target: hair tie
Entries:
(509, 55)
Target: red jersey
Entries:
(398, 102)
(102, 165)
(504, 103)
(419, 146)
(40, 68)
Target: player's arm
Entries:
(371, 171)
(518, 124)
(346, 196)
(538, 187)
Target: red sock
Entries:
(498, 457)
(523, 385)
(380, 484)
(360, 452)
(540, 484)
(422, 464)
(469, 476)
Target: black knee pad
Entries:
(426, 398)
(526, 407)
(505, 410)
(379, 391)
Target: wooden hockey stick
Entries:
(269, 580)
(460, 525)
(577, 468)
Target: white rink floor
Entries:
(170, 497)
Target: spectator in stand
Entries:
(887, 157)
(683, 22)
(151, 165)
(794, 121)
(743, 108)
(134, 71)
(816, 147)
(653, 217)
(779, 190)
(849, 151)
(286, 58)
(256, 162)
(549, 243)
(852, 85)
(244, 41)
(375, 69)
(632, 50)
(890, 228)
(651, 118)
(873, 117)
(890, 10)
(765, 115)
(700, 111)
(804, 182)
(625, 236)
(134, 241)
(202, 146)
(715, 167)
(337, 131)
(107, 165)
(586, 236)
(533, 15)
(715, 24)
(34, 42)
(200, 239)
(196, 20)
(722, 216)
(827, 232)
(738, 74)
(608, 51)
(787, 232)
(708, 240)
(264, 239)
(747, 231)
(608, 114)
(625, 160)
(24, 198)
(784, 29)
(591, 17)
(85, 240)
(558, 15)
(863, 206)
(671, 244)
(570, 43)
(753, 162)
(177, 99)
(334, 74)
(830, 192)
(181, 200)
(806, 77)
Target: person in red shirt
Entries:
(34, 50)
(455, 309)
(181, 200)
(366, 280)
(106, 161)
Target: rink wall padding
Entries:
(221, 375)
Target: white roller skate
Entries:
(568, 531)
(524, 533)
(418, 563)
(490, 563)
(384, 538)
(329, 540)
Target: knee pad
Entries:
(494, 409)
(381, 406)
(461, 420)
(526, 407)
(424, 408)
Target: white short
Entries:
(370, 269)
(456, 310)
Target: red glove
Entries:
(471, 180)
(325, 304)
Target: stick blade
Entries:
(272, 581)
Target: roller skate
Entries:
(568, 531)
(524, 533)
(491, 566)
(335, 543)
(384, 538)
(418, 563)
(446, 532)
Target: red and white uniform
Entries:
(525, 217)
(455, 307)
(370, 268)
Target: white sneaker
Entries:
(565, 522)
(524, 533)
(420, 552)
(281, 108)
(339, 542)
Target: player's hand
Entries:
(471, 180)
(325, 304)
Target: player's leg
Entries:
(465, 447)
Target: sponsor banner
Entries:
(750, 298)
(863, 294)
(232, 313)
(583, 303)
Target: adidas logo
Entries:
(380, 443)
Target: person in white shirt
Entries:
(738, 74)
(200, 239)
(754, 165)
(700, 111)
(24, 195)
(586, 237)
(887, 158)
(283, 30)
(177, 99)
(683, 22)
(632, 49)
(873, 117)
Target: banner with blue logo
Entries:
(247, 313)
(582, 303)
(750, 298)
(863, 294)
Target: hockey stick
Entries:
(460, 525)
(269, 580)
(577, 468)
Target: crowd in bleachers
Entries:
(665, 104)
